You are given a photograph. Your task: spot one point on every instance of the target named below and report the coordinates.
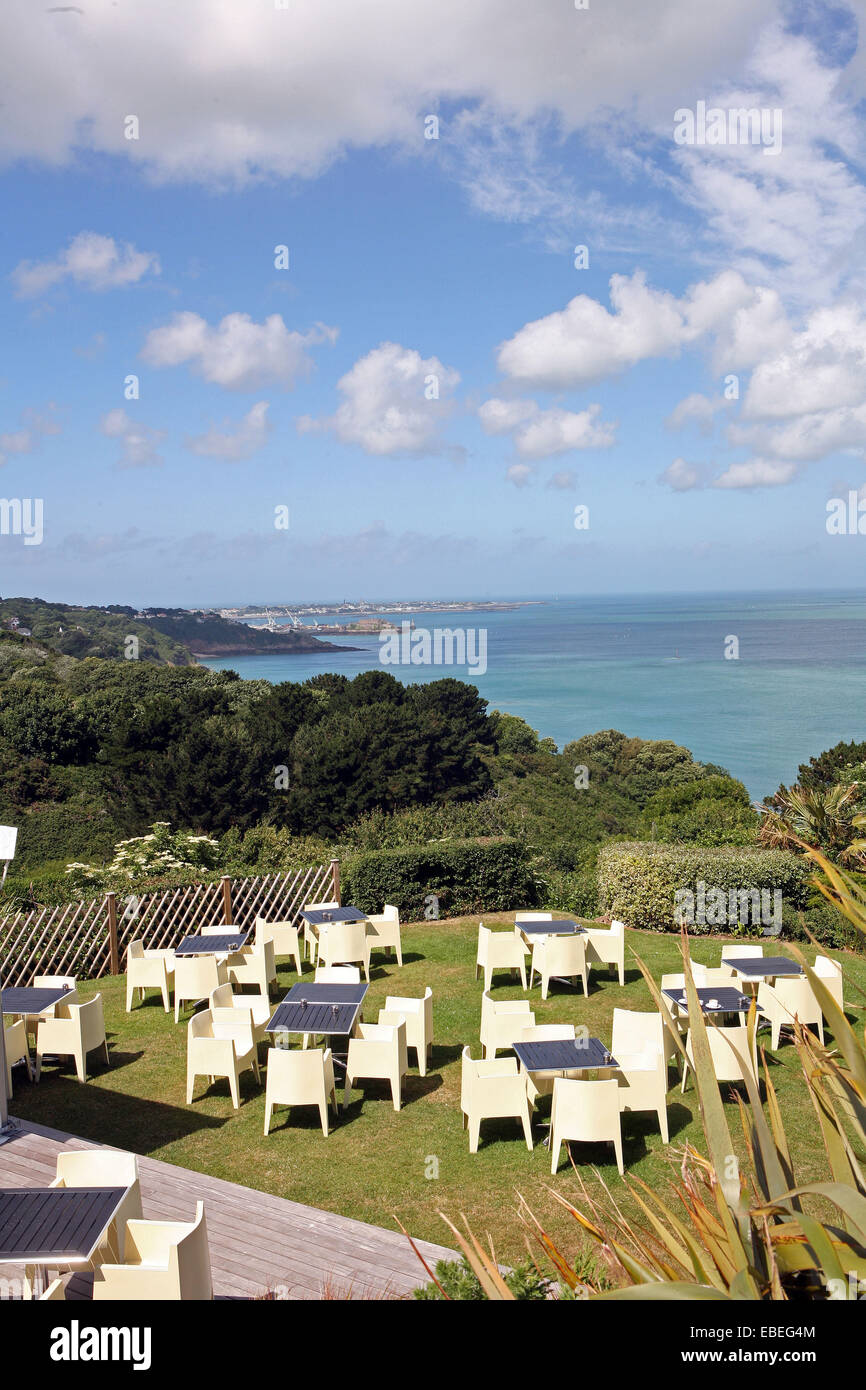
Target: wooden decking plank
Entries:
(258, 1241)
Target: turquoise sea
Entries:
(655, 666)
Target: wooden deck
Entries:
(257, 1242)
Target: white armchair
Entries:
(220, 1042)
(386, 931)
(75, 1030)
(492, 1090)
(378, 1051)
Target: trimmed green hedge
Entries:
(637, 881)
(465, 876)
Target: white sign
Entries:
(8, 836)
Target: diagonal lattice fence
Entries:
(89, 939)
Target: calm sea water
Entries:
(654, 666)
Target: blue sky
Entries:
(413, 258)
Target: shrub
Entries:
(63, 830)
(460, 1284)
(464, 876)
(265, 849)
(151, 856)
(637, 881)
(575, 892)
(824, 922)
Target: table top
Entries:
(564, 1054)
(727, 999)
(323, 993)
(328, 1019)
(561, 927)
(41, 1225)
(756, 966)
(31, 1000)
(211, 945)
(321, 915)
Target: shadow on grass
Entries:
(109, 1117)
(373, 1089)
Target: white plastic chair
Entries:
(417, 1014)
(585, 1112)
(254, 965)
(606, 946)
(540, 1083)
(638, 1046)
(493, 1090)
(386, 931)
(378, 1052)
(257, 1007)
(735, 951)
(787, 999)
(499, 950)
(220, 1042)
(105, 1168)
(164, 1260)
(75, 1030)
(148, 972)
(337, 975)
(15, 1038)
(729, 1047)
(345, 943)
(285, 937)
(502, 1022)
(31, 1022)
(560, 957)
(300, 1078)
(195, 978)
(829, 973)
(311, 939)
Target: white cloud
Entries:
(519, 474)
(238, 443)
(502, 417)
(552, 432)
(388, 404)
(92, 261)
(585, 342)
(823, 368)
(227, 92)
(796, 216)
(757, 473)
(697, 409)
(562, 482)
(238, 353)
(544, 433)
(683, 476)
(25, 439)
(139, 442)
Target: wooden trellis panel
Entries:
(74, 939)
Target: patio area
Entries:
(258, 1243)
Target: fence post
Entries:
(227, 900)
(111, 901)
(335, 874)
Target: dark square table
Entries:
(30, 1000)
(212, 945)
(56, 1226)
(763, 967)
(331, 1009)
(564, 1054)
(320, 916)
(561, 927)
(728, 1000)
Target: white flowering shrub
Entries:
(156, 855)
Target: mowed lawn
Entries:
(378, 1164)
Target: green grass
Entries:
(374, 1165)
